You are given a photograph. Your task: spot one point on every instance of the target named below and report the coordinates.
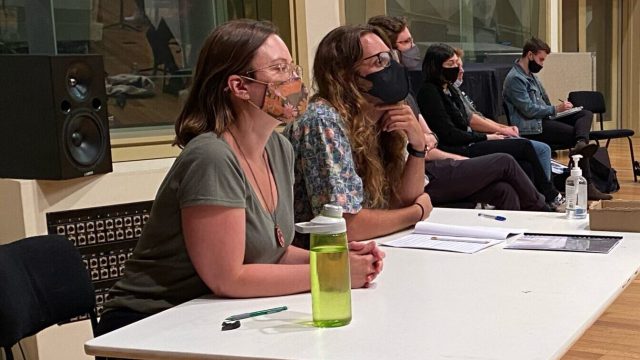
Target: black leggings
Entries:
(494, 179)
(525, 154)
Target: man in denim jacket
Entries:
(530, 108)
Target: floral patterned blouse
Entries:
(324, 167)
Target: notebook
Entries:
(573, 110)
(565, 242)
(455, 238)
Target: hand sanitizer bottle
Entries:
(576, 192)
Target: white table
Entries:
(495, 304)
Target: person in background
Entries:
(530, 108)
(222, 220)
(448, 174)
(480, 123)
(397, 30)
(446, 114)
(351, 144)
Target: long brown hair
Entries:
(379, 155)
(228, 50)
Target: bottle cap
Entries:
(576, 170)
(332, 210)
(330, 221)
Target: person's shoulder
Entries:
(514, 77)
(428, 92)
(279, 141)
(207, 145)
(319, 114)
(428, 88)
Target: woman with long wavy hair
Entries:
(351, 144)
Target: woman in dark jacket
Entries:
(446, 115)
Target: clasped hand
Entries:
(366, 262)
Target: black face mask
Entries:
(390, 84)
(411, 59)
(534, 67)
(451, 74)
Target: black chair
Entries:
(594, 102)
(43, 281)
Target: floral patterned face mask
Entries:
(285, 101)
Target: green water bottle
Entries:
(330, 276)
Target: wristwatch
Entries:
(415, 153)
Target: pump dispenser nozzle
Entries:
(576, 170)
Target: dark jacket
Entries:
(447, 117)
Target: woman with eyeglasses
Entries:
(359, 145)
(222, 220)
(446, 115)
(351, 144)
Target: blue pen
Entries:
(495, 217)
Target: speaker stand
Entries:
(121, 22)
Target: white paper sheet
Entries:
(418, 241)
(483, 232)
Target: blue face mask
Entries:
(390, 84)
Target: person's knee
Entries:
(504, 161)
(504, 196)
(543, 150)
(586, 116)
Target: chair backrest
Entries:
(43, 281)
(590, 100)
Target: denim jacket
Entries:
(526, 100)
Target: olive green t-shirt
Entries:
(160, 274)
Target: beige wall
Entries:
(630, 71)
(566, 72)
(314, 19)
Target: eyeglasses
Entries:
(383, 59)
(281, 72)
(408, 41)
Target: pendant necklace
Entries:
(276, 230)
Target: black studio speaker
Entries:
(53, 117)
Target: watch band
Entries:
(415, 153)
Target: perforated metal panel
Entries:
(105, 237)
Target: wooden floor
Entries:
(616, 334)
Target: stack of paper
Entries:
(566, 113)
(456, 238)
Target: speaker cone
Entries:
(78, 79)
(84, 139)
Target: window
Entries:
(150, 47)
(480, 28)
